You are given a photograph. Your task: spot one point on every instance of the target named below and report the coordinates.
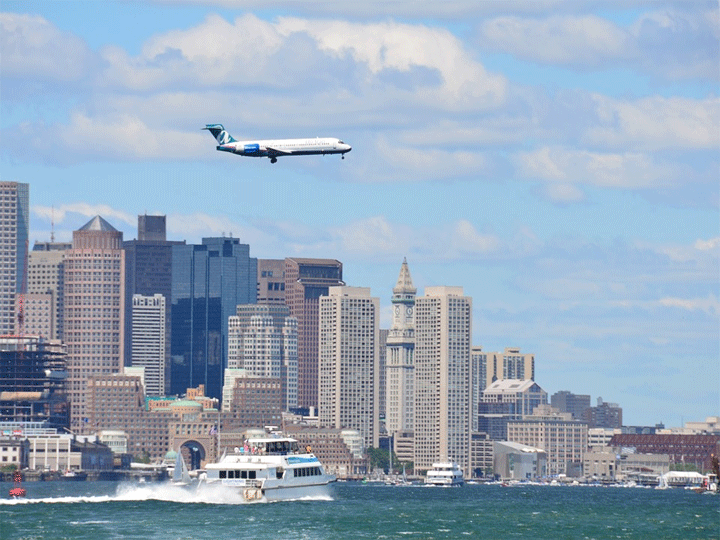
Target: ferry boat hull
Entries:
(271, 469)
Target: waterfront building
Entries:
(14, 452)
(506, 400)
(94, 310)
(605, 415)
(33, 381)
(443, 323)
(52, 451)
(515, 461)
(400, 366)
(575, 404)
(563, 439)
(482, 455)
(14, 231)
(208, 282)
(44, 307)
(694, 450)
(148, 340)
(349, 362)
(271, 281)
(600, 437)
(306, 280)
(263, 340)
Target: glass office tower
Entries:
(209, 281)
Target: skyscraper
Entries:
(208, 282)
(94, 309)
(14, 230)
(349, 362)
(400, 394)
(148, 338)
(443, 322)
(263, 341)
(306, 280)
(271, 281)
(148, 271)
(45, 280)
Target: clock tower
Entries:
(400, 368)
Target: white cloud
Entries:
(60, 213)
(34, 49)
(656, 122)
(671, 43)
(568, 167)
(394, 46)
(709, 305)
(587, 41)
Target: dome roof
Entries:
(171, 455)
(186, 403)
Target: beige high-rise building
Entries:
(148, 339)
(443, 323)
(349, 362)
(262, 340)
(497, 366)
(14, 229)
(45, 289)
(94, 311)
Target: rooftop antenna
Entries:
(52, 223)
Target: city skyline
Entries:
(569, 188)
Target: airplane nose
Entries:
(348, 147)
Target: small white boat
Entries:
(445, 474)
(271, 469)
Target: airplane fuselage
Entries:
(286, 147)
(273, 149)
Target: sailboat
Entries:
(181, 475)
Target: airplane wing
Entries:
(277, 152)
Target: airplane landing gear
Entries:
(273, 160)
(343, 156)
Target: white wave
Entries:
(202, 494)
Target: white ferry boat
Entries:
(444, 474)
(271, 469)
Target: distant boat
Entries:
(181, 475)
(445, 474)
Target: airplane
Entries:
(276, 148)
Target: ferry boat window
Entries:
(223, 474)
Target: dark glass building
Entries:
(148, 271)
(208, 282)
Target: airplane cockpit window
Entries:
(340, 142)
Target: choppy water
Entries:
(100, 510)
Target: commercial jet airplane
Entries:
(276, 148)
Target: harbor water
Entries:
(106, 510)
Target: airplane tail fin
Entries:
(218, 131)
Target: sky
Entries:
(559, 160)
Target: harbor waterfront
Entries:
(95, 510)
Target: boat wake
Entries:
(193, 494)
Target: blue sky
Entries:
(557, 159)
